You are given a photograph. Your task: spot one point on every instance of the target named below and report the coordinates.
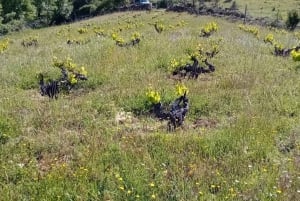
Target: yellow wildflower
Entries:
(135, 36)
(83, 71)
(269, 38)
(114, 36)
(181, 89)
(173, 64)
(153, 96)
(295, 55)
(72, 78)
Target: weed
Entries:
(4, 45)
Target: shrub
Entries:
(30, 41)
(295, 55)
(99, 31)
(159, 27)
(162, 4)
(292, 20)
(82, 30)
(269, 39)
(153, 96)
(70, 76)
(135, 36)
(3, 45)
(181, 89)
(250, 29)
(208, 29)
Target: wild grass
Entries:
(73, 148)
(266, 8)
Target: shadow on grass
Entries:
(297, 68)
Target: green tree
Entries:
(84, 7)
(1, 10)
(45, 10)
(62, 11)
(18, 10)
(108, 5)
(40, 6)
(292, 20)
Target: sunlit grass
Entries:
(74, 148)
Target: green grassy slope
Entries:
(246, 147)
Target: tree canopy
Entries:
(15, 14)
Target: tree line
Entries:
(17, 14)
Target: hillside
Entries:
(240, 139)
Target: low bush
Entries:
(292, 20)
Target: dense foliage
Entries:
(292, 20)
(15, 14)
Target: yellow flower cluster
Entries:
(114, 36)
(212, 47)
(4, 45)
(181, 23)
(78, 41)
(209, 28)
(174, 63)
(120, 41)
(278, 46)
(72, 78)
(82, 71)
(135, 36)
(269, 39)
(82, 30)
(194, 54)
(159, 27)
(70, 66)
(99, 31)
(153, 96)
(295, 55)
(67, 63)
(181, 89)
(250, 29)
